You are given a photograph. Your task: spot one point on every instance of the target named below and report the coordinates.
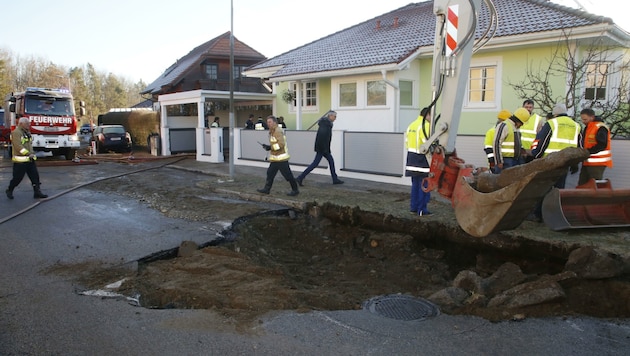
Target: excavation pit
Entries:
(280, 261)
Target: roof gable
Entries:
(216, 47)
(393, 37)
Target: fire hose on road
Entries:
(54, 196)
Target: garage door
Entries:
(183, 141)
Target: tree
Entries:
(5, 75)
(114, 96)
(98, 90)
(595, 75)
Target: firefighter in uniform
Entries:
(596, 139)
(278, 158)
(24, 159)
(531, 127)
(506, 144)
(488, 141)
(417, 166)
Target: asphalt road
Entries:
(43, 313)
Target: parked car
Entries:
(111, 138)
(87, 128)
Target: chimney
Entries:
(396, 21)
(378, 24)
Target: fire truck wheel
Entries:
(70, 154)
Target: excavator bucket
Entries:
(481, 214)
(484, 202)
(594, 204)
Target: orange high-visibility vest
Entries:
(601, 158)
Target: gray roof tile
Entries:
(367, 44)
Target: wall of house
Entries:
(308, 116)
(407, 114)
(512, 66)
(196, 78)
(363, 117)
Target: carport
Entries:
(183, 125)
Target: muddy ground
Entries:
(276, 258)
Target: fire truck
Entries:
(52, 116)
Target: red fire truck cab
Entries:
(52, 116)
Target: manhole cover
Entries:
(401, 307)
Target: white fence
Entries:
(380, 156)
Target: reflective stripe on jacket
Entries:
(487, 144)
(603, 157)
(278, 142)
(564, 133)
(417, 163)
(503, 142)
(529, 130)
(22, 143)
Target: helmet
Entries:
(522, 114)
(504, 114)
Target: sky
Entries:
(138, 40)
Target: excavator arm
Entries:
(456, 24)
(483, 202)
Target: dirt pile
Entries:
(273, 262)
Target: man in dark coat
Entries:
(322, 148)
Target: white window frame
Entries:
(413, 93)
(607, 86)
(613, 77)
(356, 95)
(361, 83)
(315, 108)
(365, 89)
(489, 105)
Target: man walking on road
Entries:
(24, 159)
(322, 148)
(278, 158)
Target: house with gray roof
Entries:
(377, 74)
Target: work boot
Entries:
(267, 187)
(9, 192)
(37, 193)
(294, 187)
(337, 181)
